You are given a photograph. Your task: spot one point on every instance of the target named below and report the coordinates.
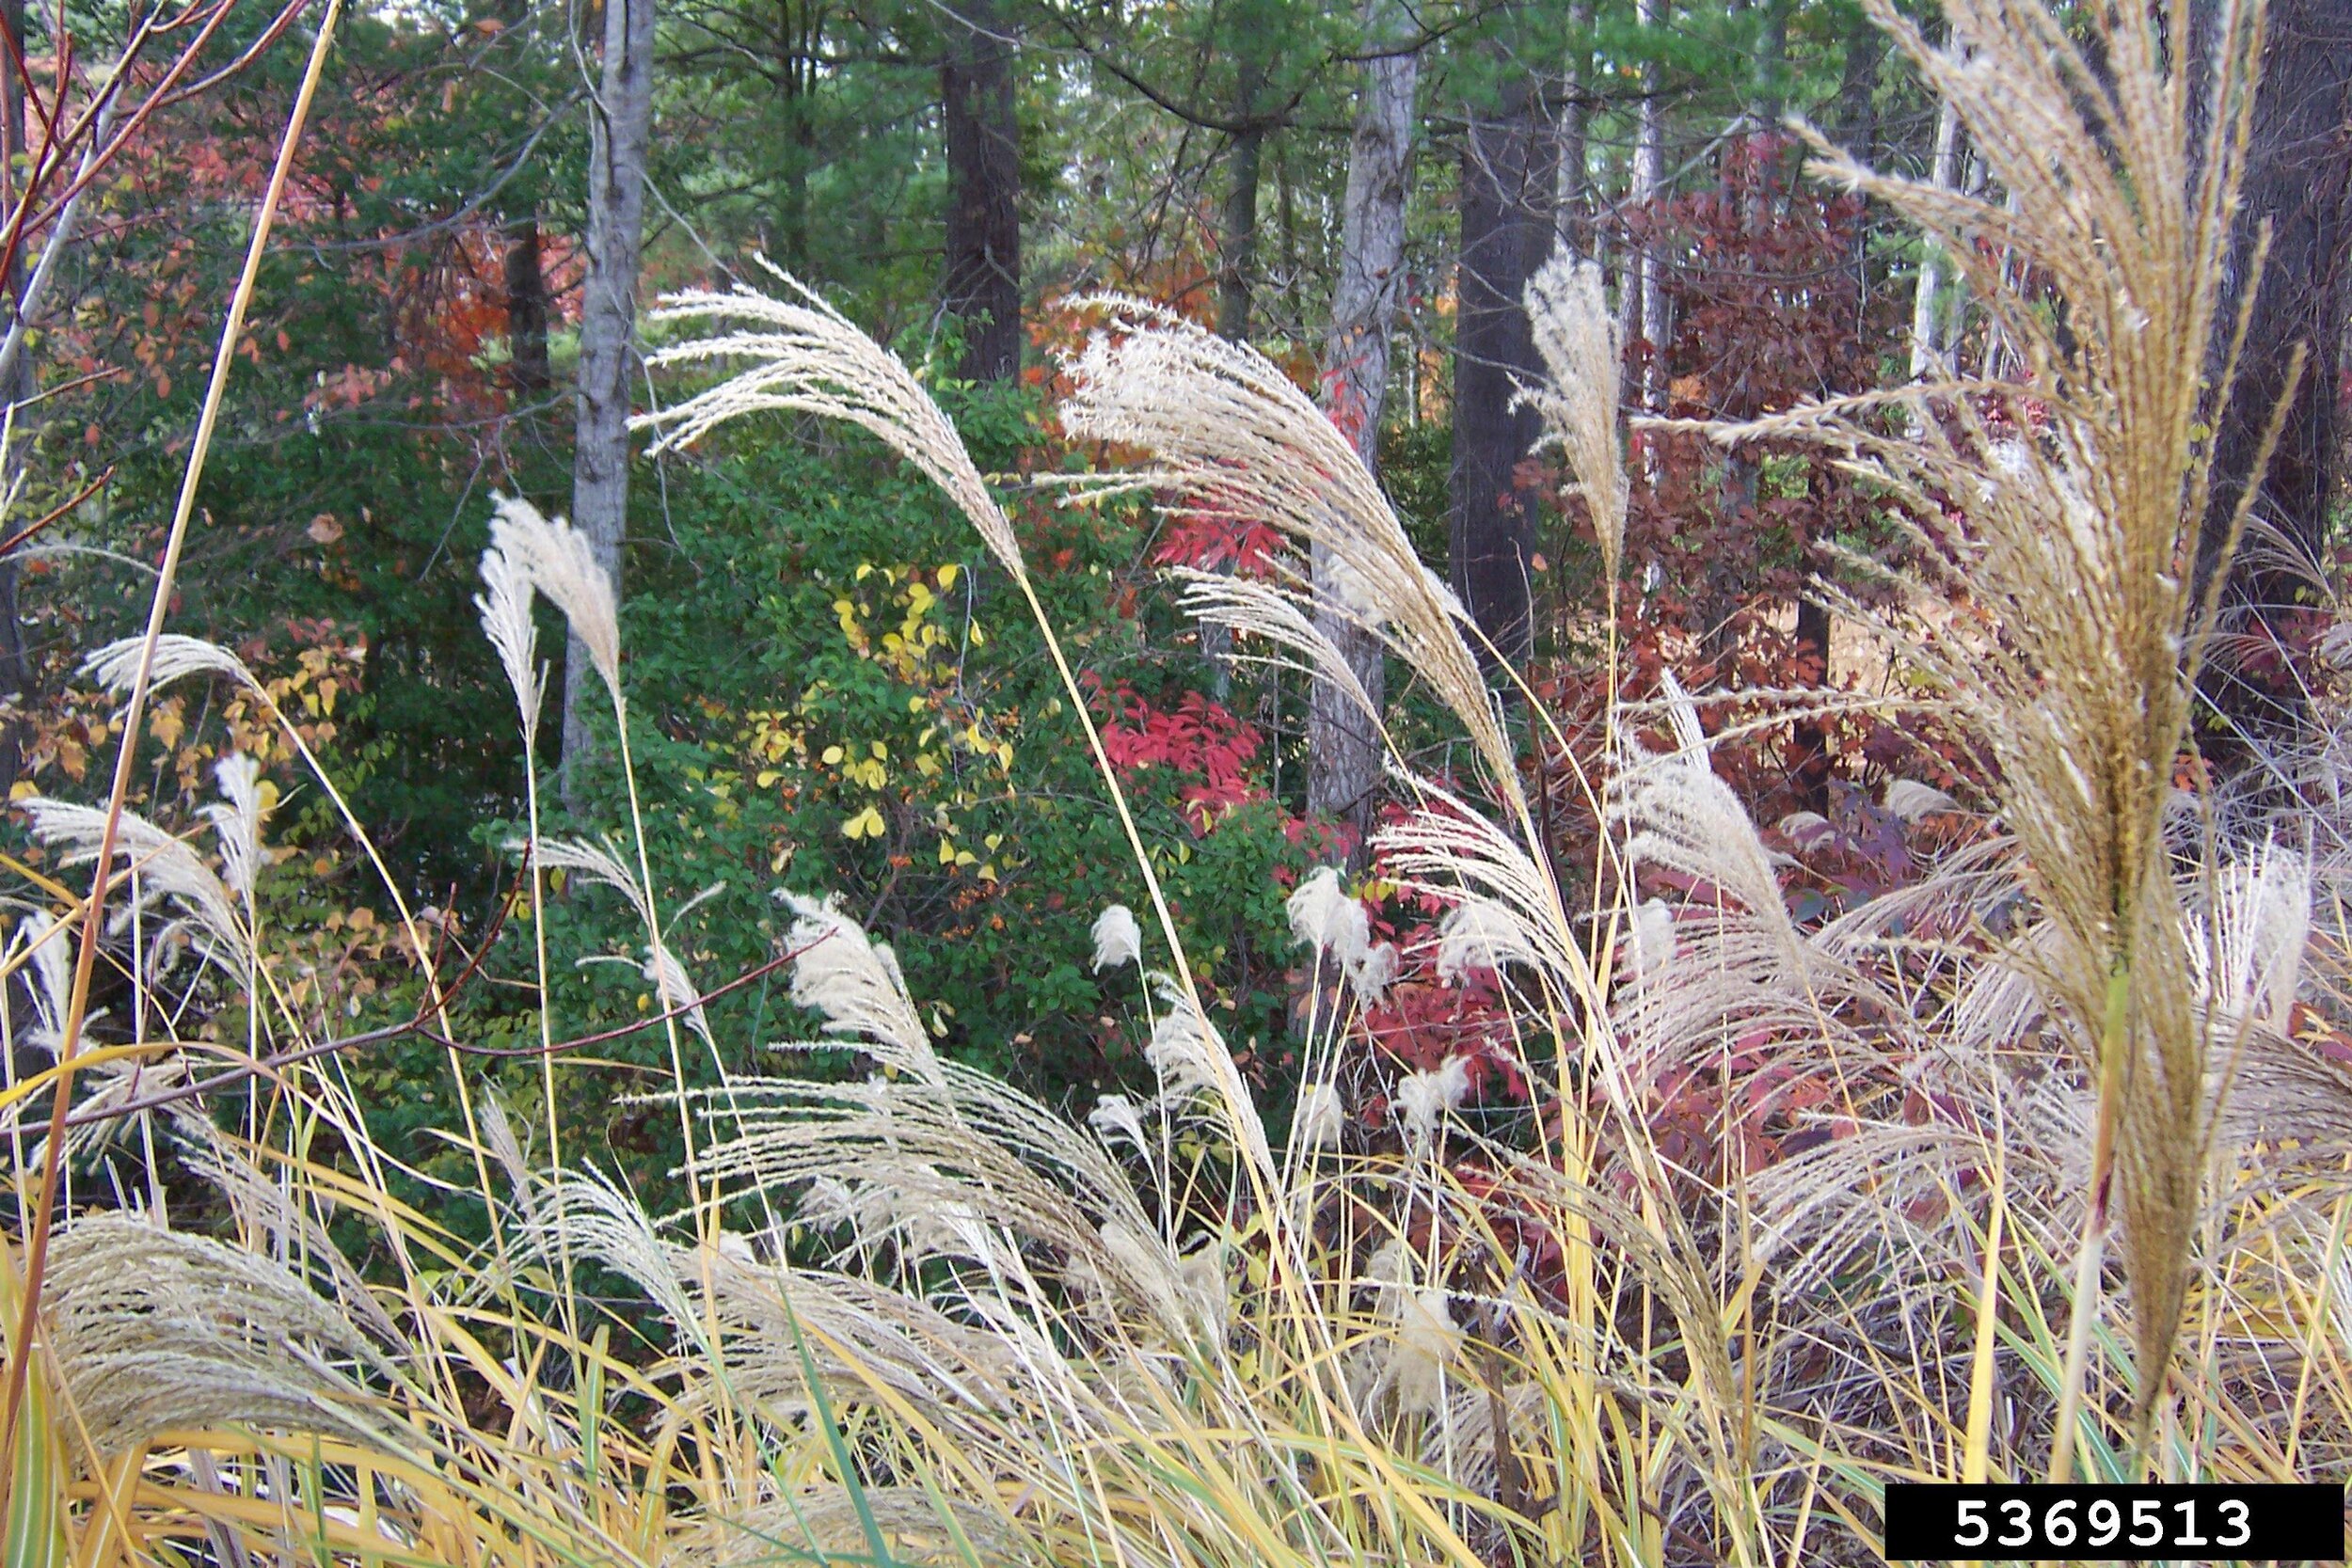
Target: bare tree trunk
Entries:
(798, 28)
(16, 390)
(1504, 234)
(1858, 115)
(983, 281)
(1237, 215)
(526, 310)
(1571, 217)
(1927, 317)
(620, 129)
(1645, 275)
(1236, 279)
(1343, 744)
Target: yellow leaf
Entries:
(979, 639)
(23, 789)
(948, 577)
(946, 853)
(833, 756)
(864, 570)
(865, 824)
(987, 872)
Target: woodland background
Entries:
(832, 686)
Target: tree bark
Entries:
(526, 310)
(1645, 278)
(1237, 235)
(16, 390)
(1504, 233)
(620, 131)
(1857, 129)
(1927, 316)
(1343, 744)
(1571, 214)
(983, 278)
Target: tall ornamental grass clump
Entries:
(916, 1316)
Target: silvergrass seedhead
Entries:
(1577, 336)
(2074, 507)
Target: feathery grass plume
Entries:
(237, 823)
(1230, 434)
(855, 982)
(1909, 800)
(599, 863)
(809, 358)
(1577, 336)
(116, 666)
(1283, 616)
(1445, 850)
(163, 865)
(505, 608)
(1118, 939)
(1686, 819)
(1373, 977)
(2121, 155)
(1324, 917)
(45, 944)
(1320, 1116)
(157, 1331)
(560, 562)
(2250, 966)
(1422, 1098)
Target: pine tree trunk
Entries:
(1505, 232)
(620, 131)
(983, 280)
(1343, 746)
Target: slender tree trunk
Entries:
(797, 30)
(1571, 213)
(619, 131)
(1504, 234)
(1646, 270)
(983, 281)
(1927, 316)
(1729, 578)
(16, 390)
(526, 310)
(1858, 115)
(1343, 745)
(1237, 235)
(1236, 279)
